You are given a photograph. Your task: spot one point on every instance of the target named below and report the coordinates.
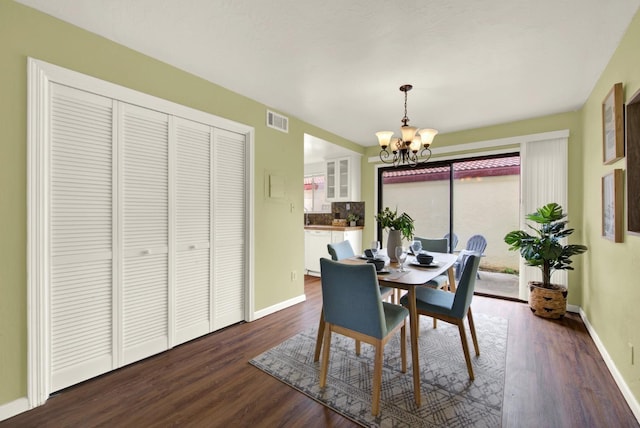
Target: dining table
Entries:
(412, 276)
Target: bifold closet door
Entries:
(193, 230)
(229, 220)
(80, 236)
(143, 146)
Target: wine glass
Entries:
(375, 247)
(416, 247)
(401, 256)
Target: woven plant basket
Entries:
(548, 302)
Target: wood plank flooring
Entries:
(555, 378)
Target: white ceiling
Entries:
(338, 64)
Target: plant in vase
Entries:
(544, 250)
(398, 225)
(352, 219)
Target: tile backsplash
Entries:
(338, 210)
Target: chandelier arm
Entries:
(384, 156)
(426, 153)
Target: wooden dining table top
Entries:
(413, 275)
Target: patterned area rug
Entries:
(449, 398)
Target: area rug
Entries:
(449, 398)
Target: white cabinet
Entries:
(315, 247)
(316, 241)
(343, 179)
(353, 236)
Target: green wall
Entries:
(611, 291)
(24, 33)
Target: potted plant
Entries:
(398, 225)
(352, 219)
(545, 251)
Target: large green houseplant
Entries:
(398, 225)
(545, 251)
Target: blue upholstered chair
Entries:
(343, 250)
(438, 245)
(352, 306)
(475, 245)
(340, 250)
(452, 307)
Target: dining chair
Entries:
(475, 245)
(454, 242)
(437, 245)
(343, 250)
(340, 250)
(452, 308)
(352, 307)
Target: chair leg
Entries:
(465, 348)
(377, 379)
(435, 323)
(403, 346)
(325, 356)
(357, 347)
(472, 328)
(316, 355)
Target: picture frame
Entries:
(632, 174)
(613, 125)
(612, 210)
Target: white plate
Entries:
(432, 264)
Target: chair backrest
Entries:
(454, 241)
(340, 250)
(477, 243)
(438, 245)
(351, 297)
(465, 287)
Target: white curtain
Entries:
(543, 178)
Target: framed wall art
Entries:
(612, 211)
(613, 125)
(632, 134)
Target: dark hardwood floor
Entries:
(555, 378)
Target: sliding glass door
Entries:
(466, 198)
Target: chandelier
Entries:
(405, 149)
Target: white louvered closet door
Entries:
(143, 146)
(229, 220)
(193, 230)
(81, 244)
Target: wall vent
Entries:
(277, 121)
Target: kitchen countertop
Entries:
(329, 227)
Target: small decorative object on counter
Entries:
(352, 219)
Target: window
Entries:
(315, 194)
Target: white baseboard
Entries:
(622, 385)
(9, 410)
(279, 306)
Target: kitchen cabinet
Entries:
(343, 179)
(315, 247)
(353, 236)
(316, 241)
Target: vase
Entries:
(393, 240)
(548, 302)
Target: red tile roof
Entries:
(463, 169)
